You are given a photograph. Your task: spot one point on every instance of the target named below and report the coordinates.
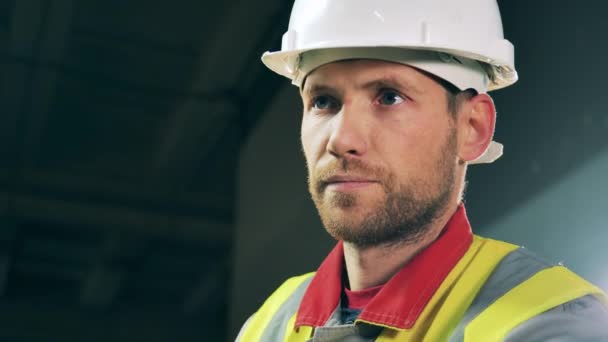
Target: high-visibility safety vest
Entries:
(495, 287)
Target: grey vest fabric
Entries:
(348, 333)
(336, 330)
(517, 267)
(581, 320)
(275, 331)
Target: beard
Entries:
(402, 216)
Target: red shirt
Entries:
(359, 299)
(402, 299)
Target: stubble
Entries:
(404, 213)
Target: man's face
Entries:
(381, 150)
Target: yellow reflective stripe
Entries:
(457, 291)
(545, 290)
(465, 290)
(301, 335)
(255, 329)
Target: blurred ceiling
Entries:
(119, 138)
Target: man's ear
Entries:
(476, 122)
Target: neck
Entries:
(372, 266)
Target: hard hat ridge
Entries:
(469, 29)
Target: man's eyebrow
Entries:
(391, 82)
(317, 89)
(375, 84)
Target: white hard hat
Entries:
(446, 38)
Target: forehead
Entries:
(359, 72)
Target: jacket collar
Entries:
(404, 296)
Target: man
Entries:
(395, 108)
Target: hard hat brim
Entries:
(285, 62)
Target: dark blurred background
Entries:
(152, 186)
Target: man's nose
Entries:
(349, 134)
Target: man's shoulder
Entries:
(529, 293)
(521, 264)
(582, 319)
(292, 283)
(518, 260)
(494, 243)
(292, 287)
(521, 271)
(298, 278)
(279, 307)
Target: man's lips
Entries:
(345, 183)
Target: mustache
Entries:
(346, 167)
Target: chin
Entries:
(347, 217)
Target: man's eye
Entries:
(323, 102)
(390, 98)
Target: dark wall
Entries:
(554, 118)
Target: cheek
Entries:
(410, 145)
(401, 136)
(311, 137)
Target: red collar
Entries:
(404, 297)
